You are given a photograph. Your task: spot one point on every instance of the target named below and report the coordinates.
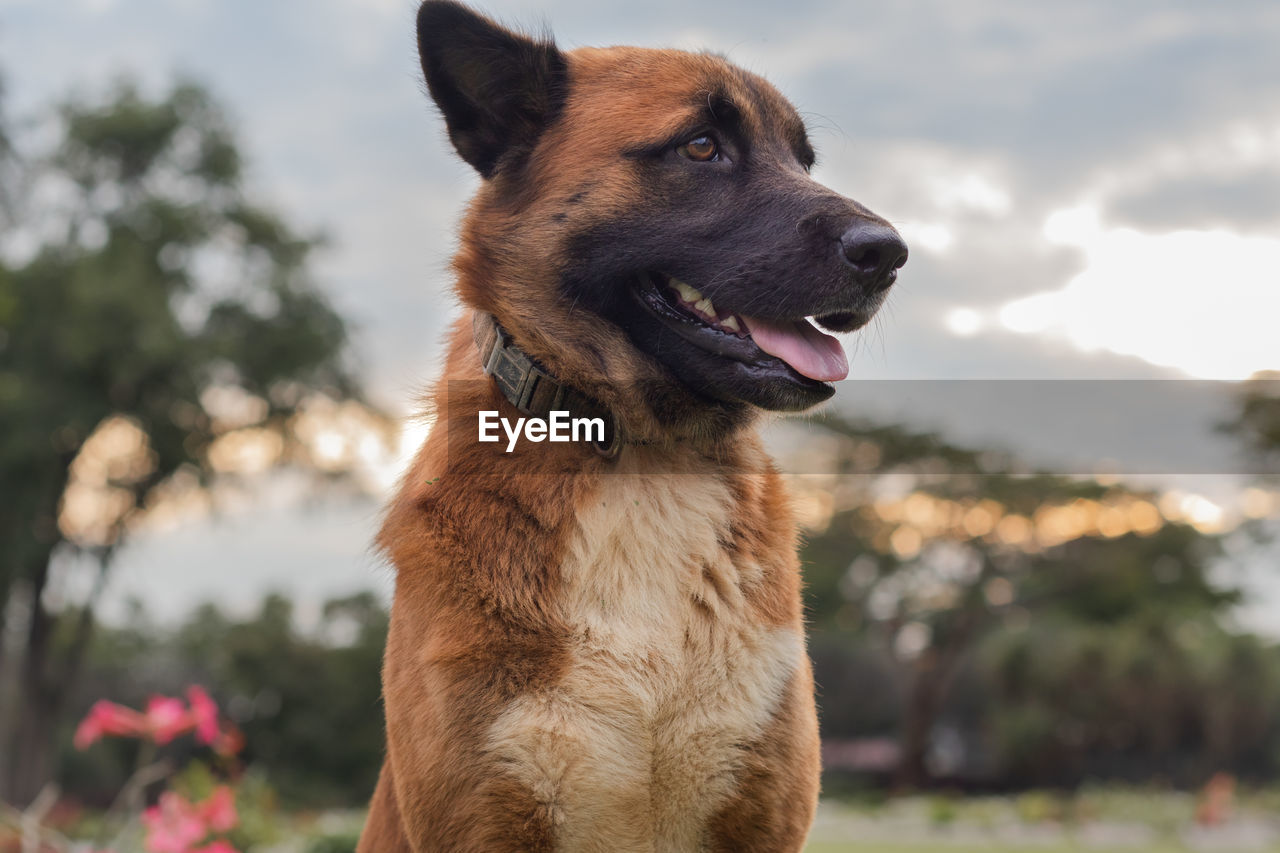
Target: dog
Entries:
(598, 645)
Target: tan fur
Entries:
(589, 654)
(671, 670)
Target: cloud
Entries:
(1222, 176)
(1204, 302)
(967, 124)
(1245, 203)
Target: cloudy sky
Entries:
(1090, 190)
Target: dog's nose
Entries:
(875, 250)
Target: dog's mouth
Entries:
(796, 343)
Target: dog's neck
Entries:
(463, 391)
(531, 383)
(533, 389)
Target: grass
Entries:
(881, 847)
(1098, 819)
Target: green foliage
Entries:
(1040, 807)
(345, 843)
(1256, 423)
(1132, 699)
(259, 809)
(1163, 575)
(942, 810)
(310, 710)
(156, 279)
(257, 805)
(142, 275)
(308, 703)
(1054, 659)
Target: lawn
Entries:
(1097, 820)
(881, 847)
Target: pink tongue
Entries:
(812, 353)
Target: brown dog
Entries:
(598, 646)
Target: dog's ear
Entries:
(497, 89)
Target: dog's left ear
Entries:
(498, 90)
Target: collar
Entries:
(531, 388)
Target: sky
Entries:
(1090, 190)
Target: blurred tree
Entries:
(310, 706)
(927, 548)
(149, 305)
(1135, 699)
(6, 161)
(1257, 420)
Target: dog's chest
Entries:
(672, 675)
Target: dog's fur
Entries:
(591, 654)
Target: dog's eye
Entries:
(701, 150)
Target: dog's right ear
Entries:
(498, 90)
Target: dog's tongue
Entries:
(797, 342)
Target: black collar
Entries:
(531, 388)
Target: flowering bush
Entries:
(175, 824)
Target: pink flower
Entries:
(173, 825)
(164, 719)
(176, 825)
(219, 811)
(108, 718)
(167, 718)
(204, 714)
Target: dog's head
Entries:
(647, 226)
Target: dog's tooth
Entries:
(731, 323)
(687, 293)
(704, 305)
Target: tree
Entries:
(155, 307)
(6, 161)
(1149, 695)
(312, 715)
(1256, 422)
(928, 549)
